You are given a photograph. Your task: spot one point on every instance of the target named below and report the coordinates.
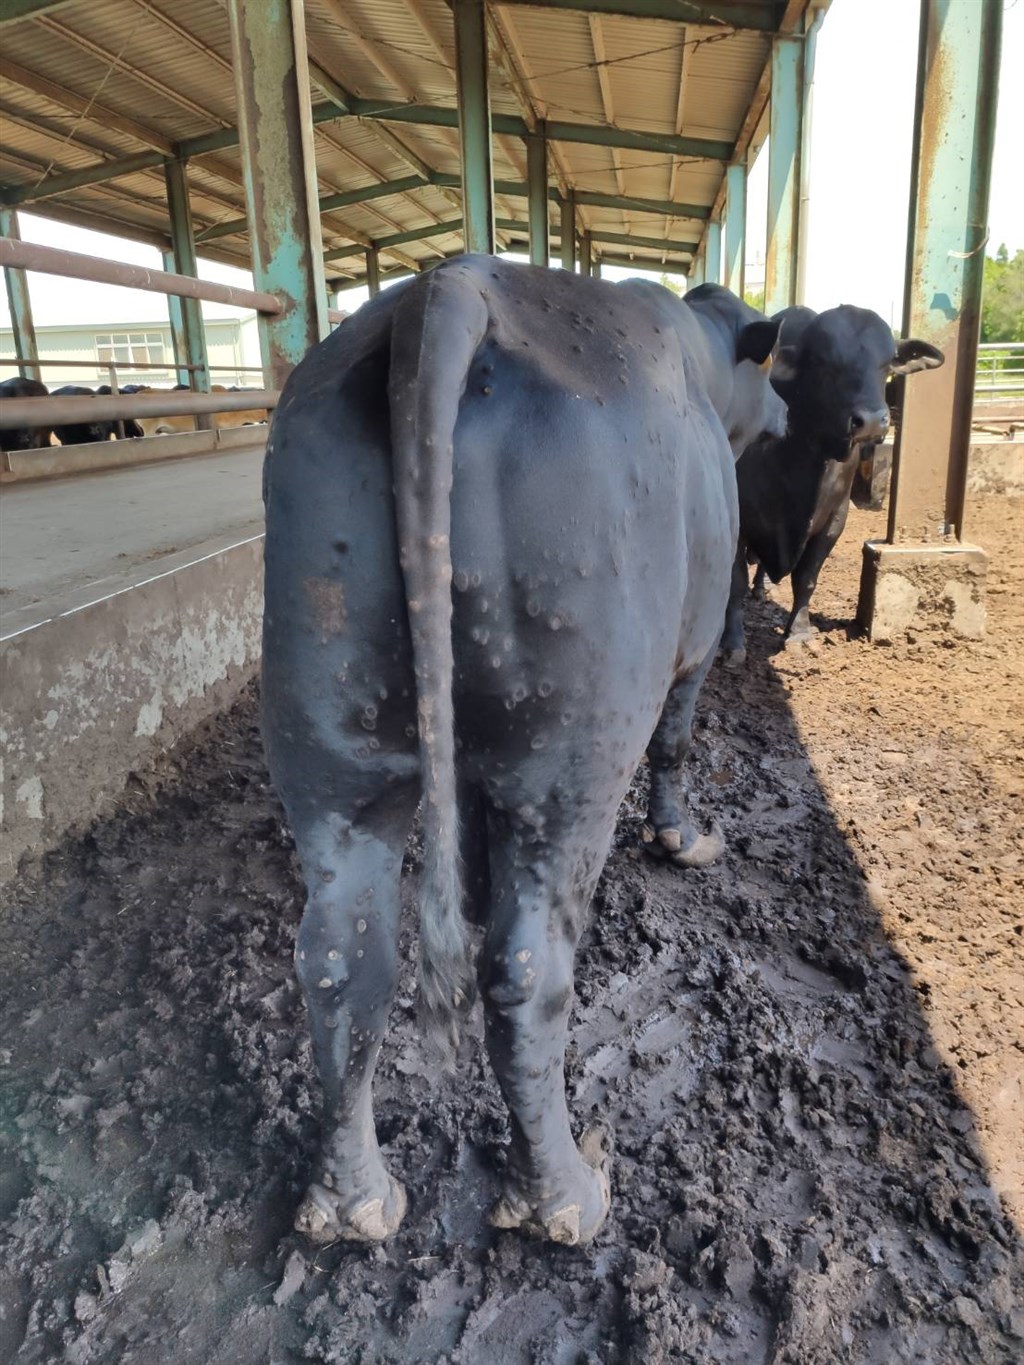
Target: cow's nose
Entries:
(869, 426)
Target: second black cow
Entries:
(831, 368)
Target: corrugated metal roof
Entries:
(97, 80)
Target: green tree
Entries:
(1002, 299)
(755, 298)
(666, 282)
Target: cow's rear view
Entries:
(501, 513)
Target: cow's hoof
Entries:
(806, 638)
(667, 845)
(324, 1217)
(734, 658)
(573, 1217)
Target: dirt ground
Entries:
(811, 1055)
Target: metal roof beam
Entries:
(329, 202)
(761, 15)
(644, 243)
(595, 199)
(78, 104)
(657, 267)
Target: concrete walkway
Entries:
(63, 543)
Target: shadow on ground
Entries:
(796, 1178)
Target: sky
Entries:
(860, 180)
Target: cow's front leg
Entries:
(668, 832)
(734, 644)
(804, 580)
(551, 1188)
(346, 957)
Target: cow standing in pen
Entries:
(501, 516)
(794, 493)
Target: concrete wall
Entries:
(90, 695)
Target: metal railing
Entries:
(1000, 371)
(34, 412)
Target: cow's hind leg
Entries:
(542, 884)
(734, 644)
(668, 832)
(346, 957)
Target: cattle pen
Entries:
(811, 1053)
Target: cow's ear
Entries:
(756, 341)
(784, 367)
(913, 355)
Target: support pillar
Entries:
(785, 138)
(268, 45)
(924, 575)
(696, 273)
(187, 331)
(595, 268)
(19, 302)
(537, 197)
(372, 271)
(474, 125)
(568, 245)
(586, 254)
(713, 254)
(735, 227)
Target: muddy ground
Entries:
(811, 1055)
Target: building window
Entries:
(126, 349)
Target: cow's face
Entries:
(757, 410)
(833, 378)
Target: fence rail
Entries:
(1000, 369)
(34, 412)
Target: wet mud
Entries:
(814, 1156)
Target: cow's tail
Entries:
(436, 330)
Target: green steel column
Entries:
(19, 302)
(713, 254)
(177, 318)
(474, 125)
(569, 231)
(586, 254)
(954, 132)
(595, 268)
(735, 227)
(537, 196)
(268, 44)
(372, 271)
(188, 334)
(785, 134)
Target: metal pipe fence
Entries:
(33, 412)
(1000, 369)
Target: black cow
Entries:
(132, 430)
(794, 492)
(24, 438)
(81, 433)
(501, 517)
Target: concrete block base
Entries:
(934, 591)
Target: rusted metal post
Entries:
(19, 302)
(177, 321)
(372, 271)
(474, 125)
(954, 134)
(696, 272)
(183, 255)
(537, 196)
(586, 254)
(713, 254)
(784, 147)
(268, 44)
(735, 227)
(568, 244)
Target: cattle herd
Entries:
(510, 513)
(82, 433)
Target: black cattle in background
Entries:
(24, 438)
(831, 370)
